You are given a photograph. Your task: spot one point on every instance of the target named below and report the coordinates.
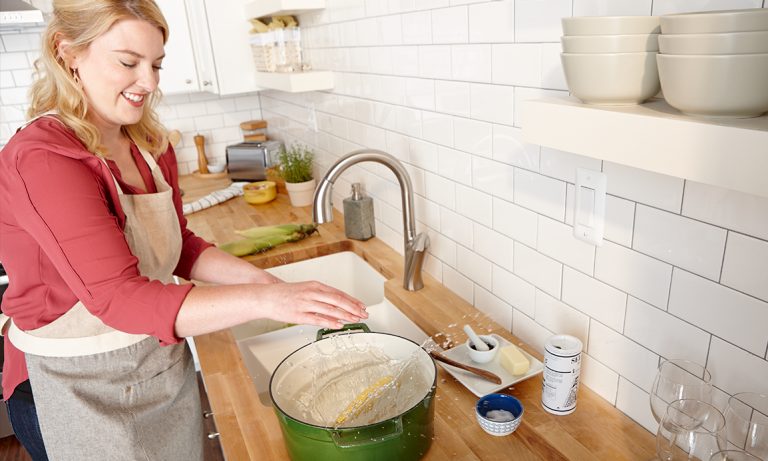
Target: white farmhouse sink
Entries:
(264, 344)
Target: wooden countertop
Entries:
(250, 430)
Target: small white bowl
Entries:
(635, 43)
(483, 356)
(499, 402)
(611, 78)
(216, 167)
(725, 43)
(713, 22)
(610, 25)
(722, 86)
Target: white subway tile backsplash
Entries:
(471, 63)
(15, 60)
(545, 273)
(417, 28)
(612, 7)
(643, 186)
(473, 136)
(435, 62)
(689, 244)
(494, 246)
(493, 177)
(556, 240)
(552, 74)
(408, 121)
(492, 22)
(619, 220)
(539, 193)
(454, 165)
(440, 190)
(474, 266)
(458, 283)
(453, 98)
(733, 316)
(499, 311)
(637, 274)
(405, 60)
(6, 79)
(391, 30)
(635, 402)
(665, 334)
(623, 355)
(514, 291)
(509, 148)
(517, 64)
(437, 128)
(738, 211)
(443, 248)
(450, 25)
(745, 266)
(735, 370)
(492, 103)
(11, 96)
(539, 21)
(594, 298)
(686, 6)
(456, 227)
(424, 155)
(561, 318)
(420, 93)
(22, 77)
(599, 378)
(562, 165)
(529, 331)
(515, 222)
(474, 204)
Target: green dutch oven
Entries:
(403, 437)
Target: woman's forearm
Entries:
(219, 267)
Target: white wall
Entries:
(216, 118)
(683, 272)
(684, 269)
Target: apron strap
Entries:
(71, 347)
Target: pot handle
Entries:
(347, 329)
(386, 430)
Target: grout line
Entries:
(722, 260)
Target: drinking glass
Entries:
(746, 417)
(690, 430)
(733, 455)
(679, 379)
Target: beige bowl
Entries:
(725, 43)
(611, 78)
(635, 43)
(610, 25)
(713, 22)
(728, 86)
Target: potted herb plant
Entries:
(295, 163)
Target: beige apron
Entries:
(102, 394)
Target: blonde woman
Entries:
(91, 233)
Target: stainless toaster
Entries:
(248, 161)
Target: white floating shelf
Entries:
(262, 8)
(295, 82)
(729, 153)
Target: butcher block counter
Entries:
(250, 430)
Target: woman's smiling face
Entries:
(119, 70)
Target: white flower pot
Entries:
(301, 193)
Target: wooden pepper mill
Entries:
(202, 161)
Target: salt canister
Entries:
(562, 366)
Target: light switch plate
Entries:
(589, 206)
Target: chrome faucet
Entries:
(415, 245)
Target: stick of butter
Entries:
(513, 360)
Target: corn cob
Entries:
(364, 400)
(260, 239)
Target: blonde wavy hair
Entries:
(55, 87)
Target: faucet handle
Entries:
(420, 243)
(414, 259)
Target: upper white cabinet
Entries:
(729, 153)
(179, 73)
(261, 8)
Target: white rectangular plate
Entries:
(480, 386)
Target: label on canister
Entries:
(562, 366)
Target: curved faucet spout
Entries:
(322, 209)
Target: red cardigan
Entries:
(61, 240)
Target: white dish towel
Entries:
(214, 198)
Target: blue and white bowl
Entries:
(498, 402)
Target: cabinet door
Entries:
(201, 45)
(179, 74)
(228, 28)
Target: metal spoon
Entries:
(485, 374)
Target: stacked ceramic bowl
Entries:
(715, 64)
(611, 60)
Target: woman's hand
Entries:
(311, 303)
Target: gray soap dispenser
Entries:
(358, 215)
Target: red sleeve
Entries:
(62, 204)
(192, 245)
